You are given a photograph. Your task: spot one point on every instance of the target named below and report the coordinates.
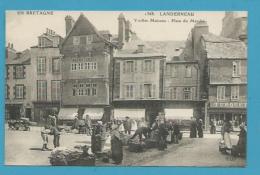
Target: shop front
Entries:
(236, 115)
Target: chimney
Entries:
(128, 27)
(199, 29)
(9, 45)
(69, 22)
(121, 29)
(140, 48)
(12, 45)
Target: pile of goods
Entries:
(134, 145)
(77, 156)
(125, 138)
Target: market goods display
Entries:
(77, 156)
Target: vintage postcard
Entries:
(126, 88)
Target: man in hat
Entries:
(127, 125)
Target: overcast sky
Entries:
(23, 30)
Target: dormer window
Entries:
(42, 42)
(140, 48)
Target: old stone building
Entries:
(86, 70)
(46, 75)
(18, 87)
(227, 78)
(138, 75)
(181, 89)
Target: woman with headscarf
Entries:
(116, 145)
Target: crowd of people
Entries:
(161, 131)
(196, 128)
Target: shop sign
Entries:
(228, 105)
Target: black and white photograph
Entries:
(126, 88)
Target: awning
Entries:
(94, 113)
(180, 114)
(67, 113)
(120, 113)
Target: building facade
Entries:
(18, 88)
(181, 89)
(227, 78)
(86, 70)
(46, 75)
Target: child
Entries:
(44, 134)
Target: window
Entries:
(174, 93)
(94, 89)
(76, 40)
(7, 92)
(55, 90)
(82, 40)
(42, 90)
(19, 91)
(148, 65)
(174, 71)
(56, 65)
(129, 66)
(80, 66)
(41, 65)
(187, 93)
(147, 90)
(234, 92)
(89, 39)
(74, 66)
(7, 72)
(19, 72)
(187, 71)
(236, 69)
(84, 89)
(221, 93)
(41, 42)
(129, 91)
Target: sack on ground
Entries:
(63, 156)
(136, 145)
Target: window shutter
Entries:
(24, 92)
(154, 90)
(124, 66)
(24, 71)
(50, 65)
(141, 91)
(168, 69)
(192, 93)
(135, 65)
(179, 93)
(14, 91)
(142, 65)
(153, 64)
(228, 91)
(14, 72)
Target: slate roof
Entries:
(130, 49)
(218, 47)
(171, 49)
(23, 58)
